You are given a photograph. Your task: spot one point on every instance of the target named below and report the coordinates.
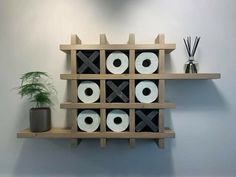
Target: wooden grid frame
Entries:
(73, 92)
(132, 105)
(73, 105)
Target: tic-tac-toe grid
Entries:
(97, 71)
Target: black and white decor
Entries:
(117, 91)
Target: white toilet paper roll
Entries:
(146, 91)
(117, 120)
(88, 91)
(146, 63)
(117, 62)
(88, 120)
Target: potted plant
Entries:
(37, 87)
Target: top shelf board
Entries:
(167, 47)
(168, 76)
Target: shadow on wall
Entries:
(55, 158)
(195, 95)
(113, 10)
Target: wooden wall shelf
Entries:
(67, 134)
(167, 47)
(70, 105)
(102, 76)
(166, 76)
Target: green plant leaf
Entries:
(33, 76)
(36, 86)
(30, 89)
(42, 99)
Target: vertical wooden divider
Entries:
(103, 41)
(74, 85)
(161, 40)
(131, 89)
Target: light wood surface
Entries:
(73, 92)
(161, 88)
(63, 133)
(69, 105)
(165, 76)
(103, 41)
(167, 47)
(131, 88)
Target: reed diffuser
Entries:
(191, 66)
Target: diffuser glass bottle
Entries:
(191, 66)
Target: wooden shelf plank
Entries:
(103, 40)
(73, 89)
(161, 88)
(69, 105)
(131, 89)
(198, 76)
(167, 76)
(167, 47)
(67, 133)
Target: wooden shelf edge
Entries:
(198, 76)
(167, 47)
(165, 76)
(69, 105)
(67, 134)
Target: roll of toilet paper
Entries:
(117, 62)
(146, 63)
(117, 120)
(146, 91)
(88, 91)
(88, 120)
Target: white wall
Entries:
(204, 121)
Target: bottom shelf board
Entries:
(67, 133)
